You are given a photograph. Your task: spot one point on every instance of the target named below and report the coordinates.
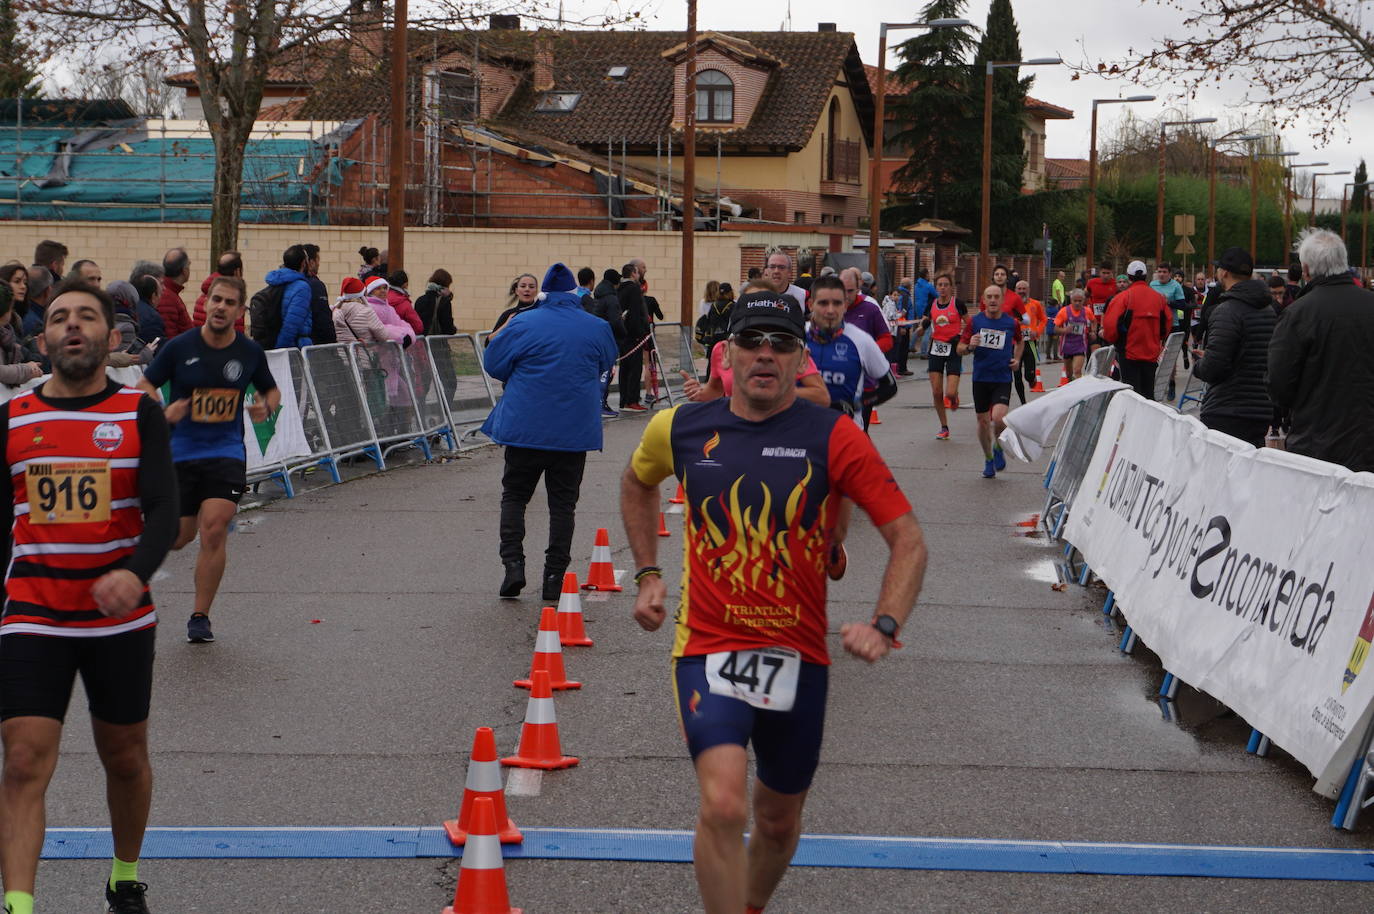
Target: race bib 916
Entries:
(765, 677)
(68, 493)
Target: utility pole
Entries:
(689, 165)
(396, 181)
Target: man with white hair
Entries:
(1319, 365)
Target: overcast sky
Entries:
(1048, 27)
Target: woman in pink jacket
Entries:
(399, 299)
(396, 329)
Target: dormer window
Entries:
(557, 101)
(715, 97)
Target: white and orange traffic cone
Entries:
(571, 632)
(548, 655)
(875, 420)
(663, 525)
(539, 746)
(1063, 375)
(483, 780)
(679, 498)
(1039, 387)
(601, 574)
(482, 875)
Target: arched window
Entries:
(715, 97)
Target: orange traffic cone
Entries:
(663, 525)
(539, 746)
(601, 576)
(570, 630)
(1039, 387)
(482, 876)
(1063, 376)
(1032, 521)
(875, 420)
(548, 654)
(679, 498)
(483, 780)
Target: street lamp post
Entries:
(1092, 168)
(1212, 186)
(985, 234)
(1159, 190)
(1312, 215)
(875, 191)
(1254, 193)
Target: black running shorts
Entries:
(37, 673)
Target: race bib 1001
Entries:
(765, 677)
(214, 404)
(940, 347)
(68, 493)
(993, 339)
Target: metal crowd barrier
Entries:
(480, 338)
(1074, 451)
(345, 423)
(1168, 362)
(465, 390)
(1101, 362)
(389, 396)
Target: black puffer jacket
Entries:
(1320, 368)
(606, 305)
(1236, 359)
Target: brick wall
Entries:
(482, 261)
(783, 205)
(749, 85)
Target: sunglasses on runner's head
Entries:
(779, 342)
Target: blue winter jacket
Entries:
(550, 359)
(924, 294)
(296, 320)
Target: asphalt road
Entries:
(361, 642)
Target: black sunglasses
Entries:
(779, 342)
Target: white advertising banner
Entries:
(1247, 571)
(283, 436)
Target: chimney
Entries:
(368, 35)
(825, 26)
(503, 21)
(543, 60)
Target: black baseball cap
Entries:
(1236, 260)
(768, 311)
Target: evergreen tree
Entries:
(15, 72)
(1002, 42)
(937, 123)
(1360, 192)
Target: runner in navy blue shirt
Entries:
(209, 370)
(994, 338)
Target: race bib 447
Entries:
(765, 677)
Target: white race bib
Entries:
(939, 347)
(765, 677)
(993, 339)
(1075, 328)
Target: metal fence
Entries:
(1168, 364)
(1101, 362)
(1077, 442)
(465, 390)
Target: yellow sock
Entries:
(123, 872)
(18, 903)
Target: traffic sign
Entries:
(1185, 224)
(1185, 246)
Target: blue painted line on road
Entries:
(668, 846)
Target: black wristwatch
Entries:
(887, 627)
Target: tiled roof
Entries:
(896, 88)
(636, 109)
(1060, 169)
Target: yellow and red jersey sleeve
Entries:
(652, 461)
(859, 472)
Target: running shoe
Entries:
(608, 413)
(635, 407)
(947, 403)
(999, 460)
(838, 562)
(953, 403)
(989, 469)
(944, 433)
(127, 897)
(197, 632)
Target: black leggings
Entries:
(1027, 368)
